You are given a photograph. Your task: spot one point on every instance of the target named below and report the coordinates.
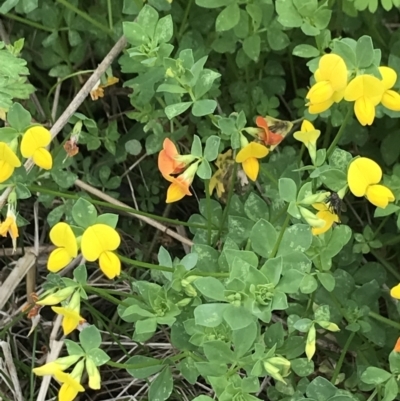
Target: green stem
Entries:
(61, 80)
(340, 133)
(103, 294)
(269, 175)
(146, 265)
(110, 15)
(278, 241)
(208, 201)
(372, 396)
(184, 19)
(86, 16)
(228, 203)
(32, 376)
(209, 274)
(37, 188)
(146, 364)
(381, 225)
(342, 356)
(386, 264)
(385, 320)
(292, 71)
(29, 22)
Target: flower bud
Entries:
(252, 131)
(183, 302)
(273, 371)
(59, 364)
(310, 343)
(169, 73)
(57, 297)
(319, 197)
(311, 218)
(93, 373)
(329, 326)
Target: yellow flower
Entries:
(71, 385)
(62, 236)
(224, 162)
(324, 213)
(8, 162)
(248, 156)
(59, 365)
(94, 374)
(98, 90)
(390, 98)
(98, 242)
(180, 185)
(71, 315)
(34, 144)
(9, 225)
(57, 297)
(331, 81)
(395, 291)
(363, 177)
(366, 91)
(308, 135)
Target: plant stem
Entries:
(86, 16)
(385, 320)
(269, 175)
(103, 294)
(184, 19)
(342, 356)
(37, 188)
(29, 22)
(208, 201)
(340, 133)
(386, 264)
(279, 239)
(372, 396)
(146, 265)
(110, 16)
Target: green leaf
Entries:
(80, 274)
(98, 356)
(188, 370)
(109, 219)
(243, 339)
(228, 18)
(84, 213)
(252, 46)
(277, 39)
(90, 338)
(209, 315)
(213, 3)
(320, 389)
(18, 117)
(8, 5)
(306, 8)
(204, 82)
(211, 288)
(63, 178)
(73, 348)
(203, 107)
(364, 52)
(147, 19)
(164, 30)
(133, 147)
(134, 33)
(263, 237)
(297, 237)
(154, 366)
(204, 170)
(306, 51)
(212, 148)
(197, 149)
(287, 189)
(161, 388)
(373, 375)
(171, 88)
(327, 281)
(255, 207)
(176, 109)
(237, 317)
(22, 191)
(145, 329)
(288, 15)
(302, 367)
(218, 351)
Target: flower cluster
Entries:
(365, 90)
(9, 226)
(97, 243)
(33, 144)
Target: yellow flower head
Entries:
(363, 177)
(62, 236)
(395, 291)
(331, 80)
(324, 213)
(98, 242)
(9, 225)
(8, 162)
(390, 98)
(307, 134)
(248, 156)
(71, 385)
(94, 374)
(366, 92)
(180, 185)
(71, 315)
(59, 365)
(34, 144)
(224, 162)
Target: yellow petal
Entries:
(58, 259)
(307, 137)
(316, 108)
(8, 155)
(47, 369)
(332, 68)
(110, 264)
(320, 206)
(33, 139)
(175, 193)
(364, 86)
(307, 126)
(320, 92)
(389, 77)
(364, 110)
(379, 195)
(71, 318)
(395, 292)
(251, 167)
(43, 159)
(362, 173)
(252, 150)
(6, 171)
(338, 96)
(61, 235)
(391, 100)
(94, 374)
(97, 239)
(329, 219)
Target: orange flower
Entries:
(170, 161)
(266, 135)
(180, 185)
(397, 346)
